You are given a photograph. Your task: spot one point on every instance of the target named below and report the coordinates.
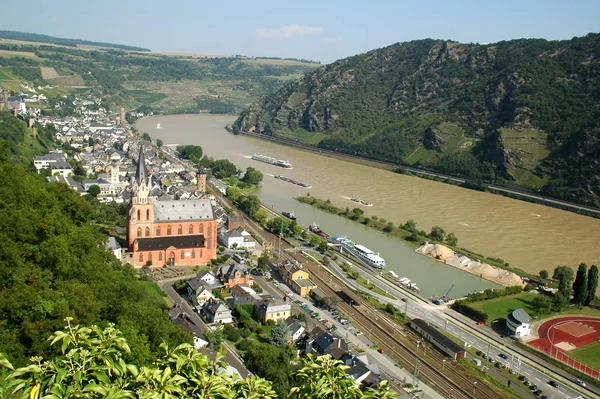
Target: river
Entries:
(529, 236)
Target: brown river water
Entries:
(528, 236)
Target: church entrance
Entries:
(171, 259)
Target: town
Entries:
(230, 279)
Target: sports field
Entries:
(588, 355)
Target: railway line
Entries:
(434, 369)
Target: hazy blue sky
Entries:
(320, 30)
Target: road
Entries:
(196, 326)
(462, 328)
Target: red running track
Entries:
(586, 329)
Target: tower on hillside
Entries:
(114, 179)
(122, 119)
(4, 104)
(201, 180)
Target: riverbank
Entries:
(514, 192)
(491, 269)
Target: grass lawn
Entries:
(588, 355)
(498, 308)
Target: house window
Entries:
(180, 230)
(193, 254)
(147, 231)
(277, 314)
(168, 230)
(182, 254)
(201, 231)
(147, 214)
(141, 258)
(191, 229)
(139, 231)
(158, 231)
(139, 215)
(160, 256)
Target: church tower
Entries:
(141, 207)
(201, 180)
(114, 179)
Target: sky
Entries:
(322, 30)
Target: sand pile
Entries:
(484, 270)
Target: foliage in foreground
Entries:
(91, 364)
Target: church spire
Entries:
(141, 173)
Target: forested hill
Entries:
(53, 264)
(36, 37)
(524, 111)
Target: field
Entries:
(49, 73)
(588, 355)
(498, 308)
(25, 54)
(4, 76)
(527, 148)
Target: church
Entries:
(168, 232)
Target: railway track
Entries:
(433, 368)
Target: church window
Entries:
(182, 255)
(191, 229)
(139, 232)
(141, 257)
(180, 230)
(147, 231)
(193, 254)
(147, 214)
(201, 231)
(158, 231)
(200, 254)
(139, 215)
(168, 230)
(160, 256)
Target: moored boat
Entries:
(361, 252)
(296, 182)
(317, 230)
(289, 215)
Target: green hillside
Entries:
(35, 37)
(520, 111)
(170, 83)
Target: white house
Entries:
(237, 238)
(200, 343)
(61, 168)
(518, 323)
(113, 245)
(203, 294)
(44, 161)
(217, 313)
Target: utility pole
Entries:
(416, 373)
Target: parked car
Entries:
(358, 333)
(324, 321)
(528, 383)
(539, 392)
(512, 371)
(380, 350)
(479, 353)
(275, 283)
(522, 378)
(498, 364)
(533, 387)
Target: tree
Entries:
(564, 275)
(328, 380)
(252, 176)
(559, 301)
(592, 282)
(279, 225)
(146, 136)
(215, 340)
(94, 190)
(437, 233)
(279, 334)
(263, 262)
(191, 152)
(410, 225)
(223, 168)
(544, 274)
(159, 143)
(580, 286)
(234, 194)
(560, 270)
(541, 304)
(452, 240)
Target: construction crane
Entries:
(442, 300)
